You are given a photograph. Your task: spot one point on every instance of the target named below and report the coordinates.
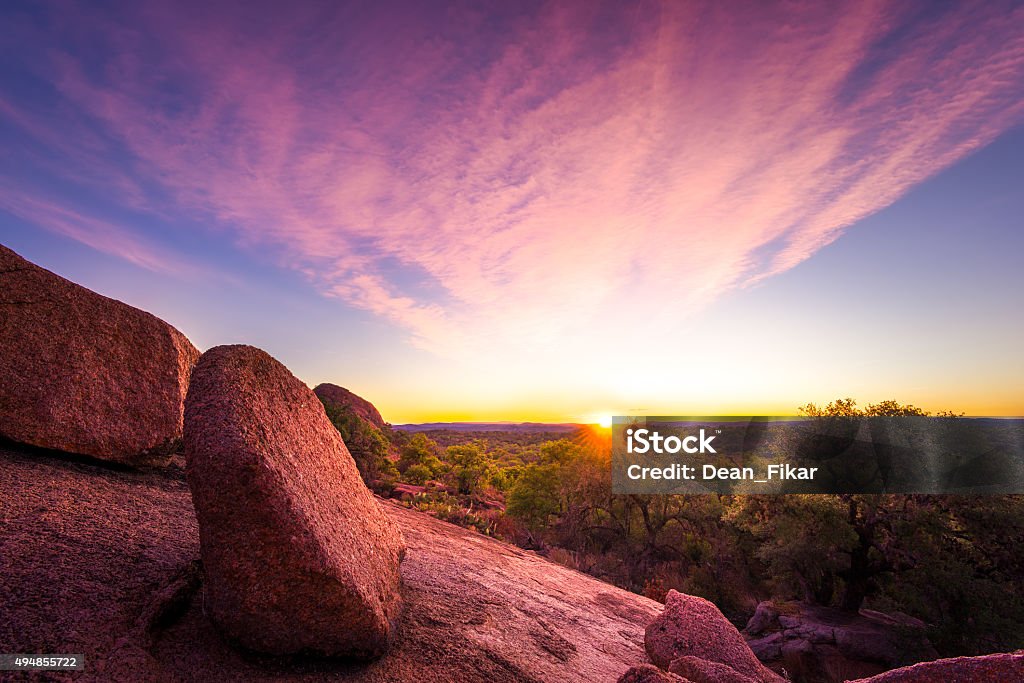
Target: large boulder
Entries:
(368, 437)
(341, 397)
(986, 669)
(86, 374)
(297, 554)
(692, 626)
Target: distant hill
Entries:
(530, 427)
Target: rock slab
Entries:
(297, 554)
(694, 627)
(85, 374)
(997, 668)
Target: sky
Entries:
(542, 211)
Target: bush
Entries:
(535, 496)
(468, 466)
(419, 450)
(368, 445)
(417, 474)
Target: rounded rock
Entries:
(297, 554)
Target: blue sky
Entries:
(560, 213)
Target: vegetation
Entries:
(369, 446)
(952, 561)
(420, 453)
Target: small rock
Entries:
(765, 618)
(406, 491)
(819, 634)
(702, 671)
(693, 626)
(797, 648)
(787, 621)
(645, 673)
(768, 648)
(298, 556)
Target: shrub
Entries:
(417, 474)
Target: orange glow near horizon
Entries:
(555, 415)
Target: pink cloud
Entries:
(96, 233)
(479, 186)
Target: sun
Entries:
(601, 420)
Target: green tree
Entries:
(468, 466)
(804, 540)
(419, 450)
(535, 496)
(503, 477)
(847, 407)
(893, 409)
(370, 448)
(559, 453)
(418, 474)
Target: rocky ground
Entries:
(98, 560)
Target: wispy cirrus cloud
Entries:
(97, 233)
(483, 179)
